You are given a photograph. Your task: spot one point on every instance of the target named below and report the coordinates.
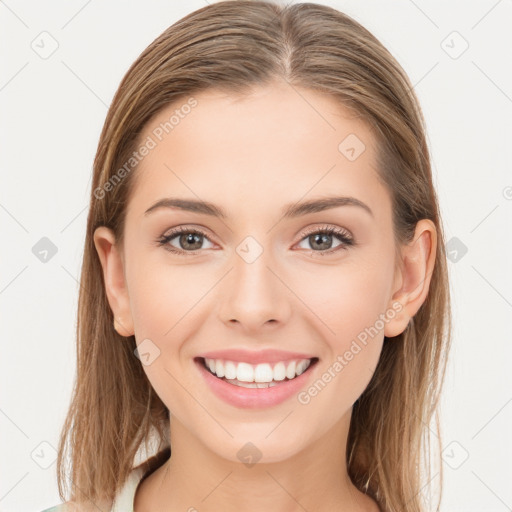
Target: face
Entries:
(269, 280)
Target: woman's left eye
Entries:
(323, 239)
(320, 241)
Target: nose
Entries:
(253, 296)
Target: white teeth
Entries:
(253, 375)
(279, 371)
(218, 368)
(290, 370)
(263, 373)
(230, 370)
(245, 372)
(301, 366)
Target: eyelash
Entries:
(341, 234)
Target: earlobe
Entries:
(115, 285)
(415, 272)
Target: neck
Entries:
(195, 478)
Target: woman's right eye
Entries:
(187, 241)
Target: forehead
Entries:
(275, 145)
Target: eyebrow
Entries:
(289, 211)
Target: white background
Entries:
(52, 111)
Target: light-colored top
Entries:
(124, 499)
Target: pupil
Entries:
(188, 239)
(323, 239)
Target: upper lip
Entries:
(255, 357)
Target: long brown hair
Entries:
(115, 415)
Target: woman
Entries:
(264, 309)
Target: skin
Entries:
(290, 297)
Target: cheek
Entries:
(349, 305)
(165, 303)
(168, 305)
(164, 298)
(346, 298)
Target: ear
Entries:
(115, 284)
(412, 278)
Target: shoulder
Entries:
(123, 501)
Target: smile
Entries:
(261, 385)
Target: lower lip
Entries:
(253, 398)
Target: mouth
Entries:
(257, 376)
